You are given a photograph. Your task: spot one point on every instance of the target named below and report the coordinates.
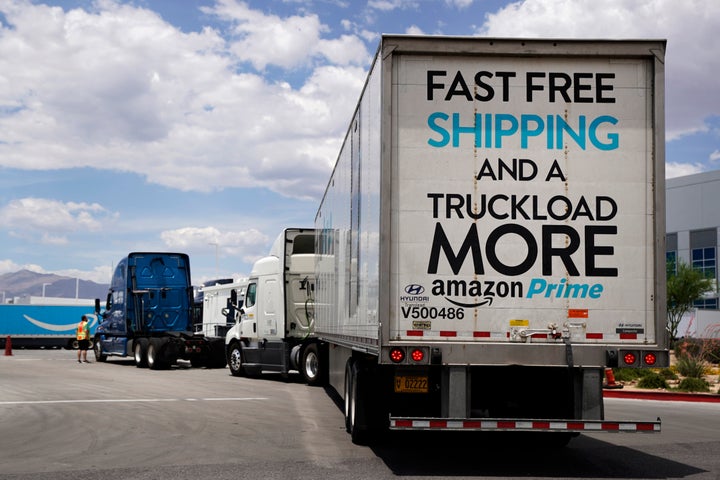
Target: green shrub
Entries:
(652, 380)
(693, 384)
(689, 366)
(668, 374)
(626, 374)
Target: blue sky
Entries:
(207, 126)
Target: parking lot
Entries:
(64, 420)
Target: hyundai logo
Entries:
(414, 289)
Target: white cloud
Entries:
(101, 274)
(98, 275)
(130, 92)
(414, 30)
(692, 62)
(287, 42)
(459, 3)
(8, 266)
(387, 5)
(268, 39)
(673, 170)
(346, 50)
(50, 220)
(715, 156)
(249, 245)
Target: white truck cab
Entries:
(275, 316)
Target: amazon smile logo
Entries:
(51, 327)
(475, 293)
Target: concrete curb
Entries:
(664, 396)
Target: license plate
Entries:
(411, 384)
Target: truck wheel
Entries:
(346, 394)
(140, 352)
(235, 361)
(217, 355)
(215, 358)
(355, 417)
(97, 348)
(310, 366)
(154, 354)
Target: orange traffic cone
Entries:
(8, 346)
(610, 376)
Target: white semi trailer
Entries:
(492, 235)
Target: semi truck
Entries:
(45, 325)
(149, 315)
(209, 299)
(492, 236)
(217, 311)
(273, 313)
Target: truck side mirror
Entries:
(97, 306)
(233, 296)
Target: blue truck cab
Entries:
(149, 313)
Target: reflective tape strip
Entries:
(523, 425)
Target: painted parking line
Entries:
(132, 400)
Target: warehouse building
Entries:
(693, 220)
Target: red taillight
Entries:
(417, 355)
(397, 355)
(629, 358)
(650, 359)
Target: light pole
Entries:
(45, 285)
(216, 257)
(3, 301)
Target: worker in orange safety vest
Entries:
(83, 338)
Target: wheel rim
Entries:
(311, 365)
(235, 359)
(138, 353)
(97, 349)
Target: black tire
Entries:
(97, 349)
(235, 360)
(347, 394)
(217, 355)
(140, 352)
(155, 359)
(311, 366)
(358, 429)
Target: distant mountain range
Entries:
(27, 283)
